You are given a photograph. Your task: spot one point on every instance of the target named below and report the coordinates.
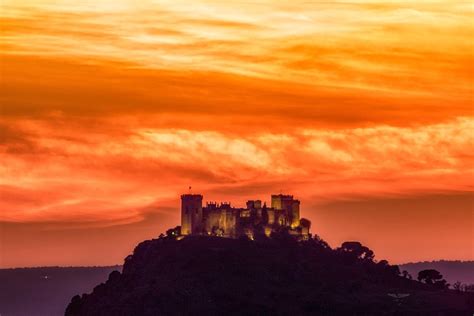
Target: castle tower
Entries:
(289, 206)
(191, 214)
(295, 213)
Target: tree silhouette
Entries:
(320, 242)
(457, 286)
(433, 277)
(358, 250)
(173, 232)
(468, 287)
(406, 275)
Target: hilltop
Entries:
(212, 275)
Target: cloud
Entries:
(362, 45)
(80, 173)
(63, 87)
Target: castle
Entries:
(221, 219)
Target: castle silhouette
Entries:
(221, 219)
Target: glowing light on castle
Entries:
(221, 219)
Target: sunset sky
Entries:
(112, 109)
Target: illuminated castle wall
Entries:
(221, 219)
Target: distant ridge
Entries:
(115, 266)
(46, 290)
(452, 270)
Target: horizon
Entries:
(112, 109)
(121, 265)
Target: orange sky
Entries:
(111, 109)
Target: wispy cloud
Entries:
(117, 173)
(395, 47)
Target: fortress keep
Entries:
(221, 219)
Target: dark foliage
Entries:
(357, 250)
(433, 277)
(268, 276)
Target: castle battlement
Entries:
(221, 219)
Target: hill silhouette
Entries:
(270, 276)
(25, 291)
